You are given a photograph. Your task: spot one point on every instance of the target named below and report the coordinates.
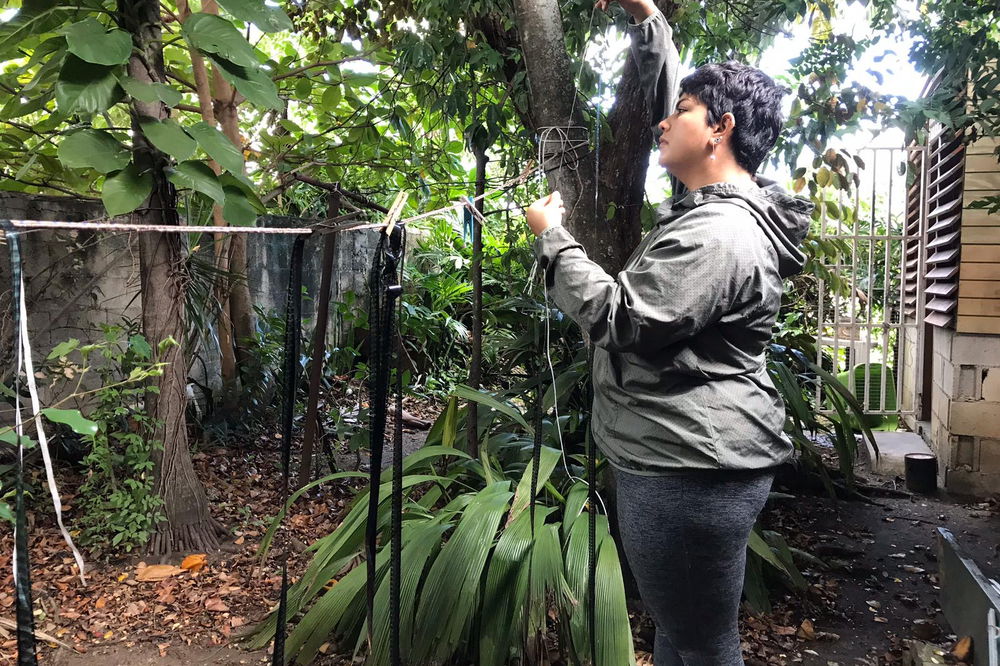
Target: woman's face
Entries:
(685, 138)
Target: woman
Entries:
(684, 409)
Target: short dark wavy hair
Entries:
(751, 96)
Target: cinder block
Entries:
(991, 384)
(966, 389)
(965, 451)
(949, 384)
(989, 455)
(974, 484)
(939, 403)
(974, 349)
(942, 341)
(977, 419)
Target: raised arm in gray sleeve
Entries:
(687, 277)
(655, 54)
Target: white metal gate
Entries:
(863, 322)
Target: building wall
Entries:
(979, 273)
(965, 411)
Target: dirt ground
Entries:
(897, 570)
(880, 578)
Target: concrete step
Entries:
(893, 447)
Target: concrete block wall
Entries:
(909, 359)
(965, 411)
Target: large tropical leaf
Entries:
(488, 400)
(451, 591)
(522, 496)
(215, 36)
(199, 177)
(506, 592)
(95, 149)
(85, 88)
(91, 41)
(150, 92)
(73, 419)
(218, 146)
(169, 137)
(125, 190)
(262, 15)
(251, 82)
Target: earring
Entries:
(715, 144)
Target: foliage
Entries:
(118, 502)
(485, 594)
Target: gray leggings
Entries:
(685, 536)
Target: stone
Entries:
(991, 384)
(977, 419)
(974, 349)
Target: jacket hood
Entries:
(784, 218)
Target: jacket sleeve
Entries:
(653, 48)
(686, 279)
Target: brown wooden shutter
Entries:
(912, 270)
(945, 181)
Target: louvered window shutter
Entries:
(945, 179)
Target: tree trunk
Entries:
(622, 171)
(227, 357)
(238, 304)
(188, 525)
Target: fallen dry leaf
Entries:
(806, 631)
(962, 648)
(216, 604)
(155, 572)
(194, 562)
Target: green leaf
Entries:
(238, 211)
(482, 398)
(218, 146)
(169, 137)
(94, 149)
(72, 418)
(150, 92)
(199, 177)
(63, 349)
(91, 41)
(140, 346)
(450, 423)
(36, 17)
(763, 550)
(10, 436)
(331, 98)
(265, 17)
(125, 190)
(251, 82)
(214, 35)
(240, 182)
(506, 592)
(5, 512)
(451, 586)
(522, 496)
(86, 88)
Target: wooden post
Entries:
(319, 344)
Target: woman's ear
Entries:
(726, 124)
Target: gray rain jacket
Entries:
(679, 370)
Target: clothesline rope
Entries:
(34, 225)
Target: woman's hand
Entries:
(640, 10)
(544, 213)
